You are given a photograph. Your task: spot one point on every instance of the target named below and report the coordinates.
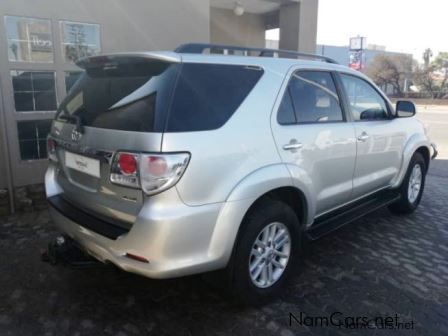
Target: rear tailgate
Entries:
(119, 104)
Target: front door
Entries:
(313, 137)
(379, 141)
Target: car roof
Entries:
(281, 65)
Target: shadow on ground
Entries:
(381, 264)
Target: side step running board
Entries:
(334, 220)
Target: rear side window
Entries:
(313, 97)
(132, 95)
(207, 95)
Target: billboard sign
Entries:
(356, 53)
(356, 60)
(358, 43)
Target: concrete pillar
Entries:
(298, 26)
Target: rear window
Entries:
(157, 96)
(207, 95)
(130, 96)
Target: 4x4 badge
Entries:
(76, 136)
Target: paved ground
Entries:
(380, 265)
(436, 120)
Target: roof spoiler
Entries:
(114, 59)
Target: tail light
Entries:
(51, 149)
(153, 173)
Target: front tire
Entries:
(267, 252)
(411, 189)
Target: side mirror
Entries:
(405, 109)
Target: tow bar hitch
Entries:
(64, 250)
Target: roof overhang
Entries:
(252, 6)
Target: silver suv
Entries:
(168, 164)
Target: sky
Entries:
(408, 26)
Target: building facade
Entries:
(341, 54)
(41, 40)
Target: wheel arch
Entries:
(418, 143)
(272, 182)
(424, 151)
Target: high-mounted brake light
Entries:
(153, 173)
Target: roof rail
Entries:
(199, 48)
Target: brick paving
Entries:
(382, 264)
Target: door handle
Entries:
(363, 137)
(293, 145)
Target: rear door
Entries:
(313, 136)
(379, 142)
(118, 104)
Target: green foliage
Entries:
(390, 70)
(433, 76)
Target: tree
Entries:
(424, 79)
(390, 70)
(77, 48)
(427, 54)
(433, 77)
(440, 65)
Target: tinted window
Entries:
(34, 90)
(365, 102)
(33, 139)
(70, 79)
(207, 95)
(314, 97)
(286, 114)
(132, 95)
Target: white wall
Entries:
(126, 25)
(227, 28)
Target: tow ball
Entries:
(66, 252)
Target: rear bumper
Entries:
(107, 229)
(176, 239)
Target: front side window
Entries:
(34, 90)
(33, 139)
(29, 40)
(79, 40)
(286, 114)
(365, 102)
(313, 96)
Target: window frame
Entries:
(16, 112)
(341, 100)
(35, 120)
(62, 42)
(346, 98)
(52, 35)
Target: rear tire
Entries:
(411, 189)
(266, 253)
